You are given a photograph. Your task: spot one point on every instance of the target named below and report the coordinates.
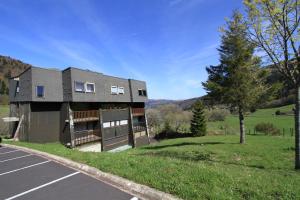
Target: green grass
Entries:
(231, 122)
(210, 167)
(4, 110)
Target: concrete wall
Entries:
(52, 82)
(60, 87)
(25, 89)
(135, 87)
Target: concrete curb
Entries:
(142, 191)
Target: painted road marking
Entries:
(2, 161)
(9, 152)
(41, 186)
(15, 170)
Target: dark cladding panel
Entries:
(44, 122)
(51, 81)
(114, 114)
(135, 87)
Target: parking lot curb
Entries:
(141, 191)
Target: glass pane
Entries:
(90, 87)
(39, 91)
(114, 89)
(106, 124)
(79, 86)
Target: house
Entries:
(76, 106)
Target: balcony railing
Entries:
(138, 111)
(139, 127)
(86, 136)
(84, 116)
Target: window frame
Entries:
(111, 90)
(142, 92)
(86, 89)
(76, 89)
(37, 92)
(121, 89)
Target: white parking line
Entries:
(41, 186)
(15, 170)
(9, 152)
(2, 161)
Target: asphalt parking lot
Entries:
(28, 176)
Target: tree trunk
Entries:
(297, 130)
(242, 127)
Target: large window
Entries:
(79, 86)
(40, 91)
(121, 90)
(142, 92)
(114, 90)
(90, 87)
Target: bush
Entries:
(217, 114)
(277, 112)
(267, 129)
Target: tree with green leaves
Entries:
(3, 88)
(238, 80)
(274, 27)
(198, 122)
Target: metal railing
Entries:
(85, 114)
(139, 127)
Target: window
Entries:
(117, 123)
(114, 90)
(18, 87)
(106, 124)
(142, 92)
(123, 122)
(121, 90)
(112, 124)
(90, 87)
(79, 86)
(40, 91)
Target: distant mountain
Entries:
(184, 104)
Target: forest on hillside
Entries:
(9, 67)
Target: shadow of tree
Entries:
(196, 156)
(184, 144)
(187, 156)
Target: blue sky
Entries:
(167, 43)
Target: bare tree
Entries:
(274, 27)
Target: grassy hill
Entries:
(231, 123)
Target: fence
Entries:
(283, 132)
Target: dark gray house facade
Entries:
(77, 106)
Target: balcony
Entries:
(86, 136)
(139, 127)
(85, 116)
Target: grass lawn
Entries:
(231, 123)
(4, 112)
(210, 167)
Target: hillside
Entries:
(184, 104)
(9, 67)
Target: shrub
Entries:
(217, 114)
(198, 122)
(267, 129)
(277, 112)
